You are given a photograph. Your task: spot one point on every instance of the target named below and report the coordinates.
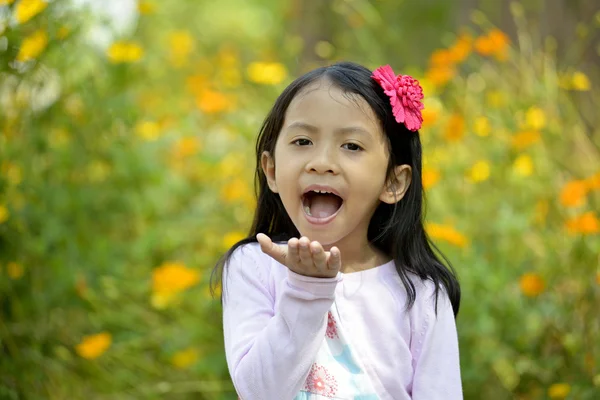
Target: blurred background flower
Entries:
(127, 132)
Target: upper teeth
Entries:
(321, 191)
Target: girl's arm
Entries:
(270, 351)
(435, 349)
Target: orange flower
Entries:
(232, 238)
(439, 75)
(446, 233)
(455, 129)
(173, 277)
(586, 224)
(211, 102)
(461, 49)
(430, 177)
(494, 43)
(532, 284)
(524, 139)
(441, 57)
(593, 182)
(187, 147)
(94, 346)
(430, 116)
(574, 193)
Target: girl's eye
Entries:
(301, 142)
(352, 147)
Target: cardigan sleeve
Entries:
(436, 362)
(270, 349)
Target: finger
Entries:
(293, 254)
(279, 253)
(319, 256)
(304, 251)
(334, 262)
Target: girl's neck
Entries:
(360, 258)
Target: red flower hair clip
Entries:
(405, 95)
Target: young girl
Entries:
(337, 293)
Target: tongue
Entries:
(323, 206)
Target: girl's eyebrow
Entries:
(342, 131)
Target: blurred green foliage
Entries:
(126, 171)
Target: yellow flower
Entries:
(14, 270)
(4, 214)
(455, 128)
(124, 52)
(237, 189)
(495, 99)
(446, 233)
(13, 173)
(185, 358)
(523, 165)
(173, 277)
(148, 130)
(266, 73)
(524, 139)
(62, 32)
(532, 284)
(586, 224)
(480, 171)
(535, 118)
(542, 207)
(232, 238)
(181, 44)
(574, 193)
(324, 49)
(211, 102)
(430, 177)
(27, 9)
(97, 171)
(230, 77)
(146, 7)
(580, 81)
(58, 138)
(32, 46)
(93, 346)
(482, 126)
(559, 390)
(186, 147)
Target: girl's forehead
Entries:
(324, 101)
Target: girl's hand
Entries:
(303, 256)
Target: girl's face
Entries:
(332, 142)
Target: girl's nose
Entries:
(323, 161)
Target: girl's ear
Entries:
(397, 187)
(268, 166)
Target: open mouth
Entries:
(321, 204)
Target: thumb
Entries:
(277, 252)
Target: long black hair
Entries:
(395, 229)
